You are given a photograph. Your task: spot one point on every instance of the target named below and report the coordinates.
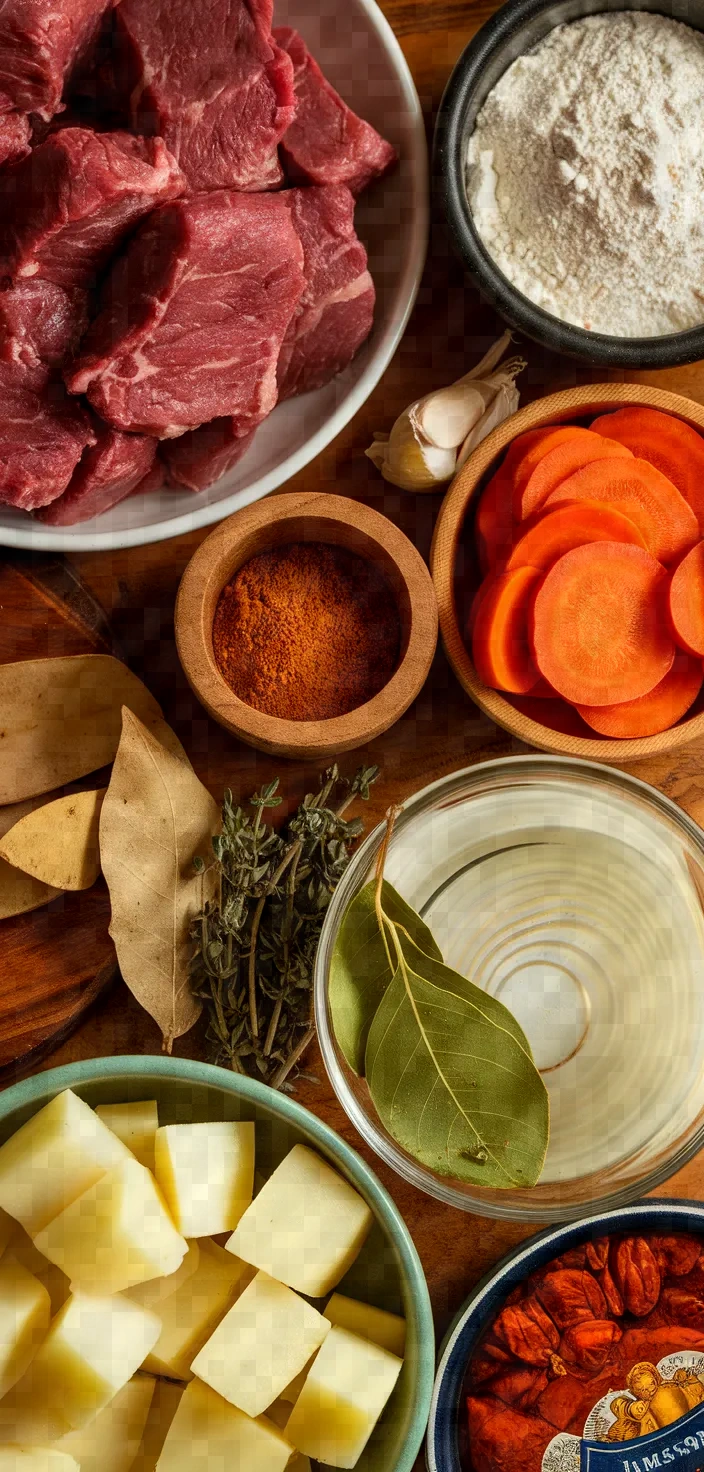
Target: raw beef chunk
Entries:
(198, 459)
(109, 471)
(65, 209)
(209, 79)
(195, 316)
(40, 323)
(335, 314)
(42, 437)
(40, 43)
(15, 133)
(327, 143)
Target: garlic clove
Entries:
(445, 418)
(405, 461)
(503, 406)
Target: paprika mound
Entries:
(307, 632)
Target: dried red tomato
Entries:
(636, 1275)
(614, 1301)
(527, 1331)
(569, 1296)
(518, 1387)
(598, 1254)
(589, 1346)
(503, 1439)
(676, 1254)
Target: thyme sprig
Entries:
(255, 944)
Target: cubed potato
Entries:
(206, 1172)
(279, 1415)
(110, 1442)
(154, 1293)
(135, 1124)
(165, 1402)
(259, 1346)
(116, 1234)
(53, 1158)
(305, 1227)
(208, 1434)
(36, 1459)
(345, 1392)
(22, 1250)
(375, 1324)
(94, 1346)
(25, 1313)
(190, 1313)
(292, 1391)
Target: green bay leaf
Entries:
(452, 1078)
(360, 970)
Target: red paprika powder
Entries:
(307, 632)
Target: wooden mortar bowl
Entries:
(306, 517)
(451, 567)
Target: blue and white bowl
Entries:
(447, 1447)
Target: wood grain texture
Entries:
(443, 730)
(55, 961)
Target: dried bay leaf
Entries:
(20, 893)
(156, 818)
(57, 843)
(452, 1078)
(360, 970)
(62, 718)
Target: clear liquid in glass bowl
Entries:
(574, 895)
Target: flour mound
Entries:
(585, 174)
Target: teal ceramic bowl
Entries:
(387, 1272)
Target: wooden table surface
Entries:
(442, 731)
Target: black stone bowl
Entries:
(515, 28)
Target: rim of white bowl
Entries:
(35, 538)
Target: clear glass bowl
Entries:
(574, 894)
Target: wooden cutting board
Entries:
(54, 962)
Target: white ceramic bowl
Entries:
(358, 51)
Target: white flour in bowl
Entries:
(586, 174)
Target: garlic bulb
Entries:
(435, 435)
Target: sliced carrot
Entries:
(661, 708)
(597, 630)
(549, 535)
(686, 601)
(667, 442)
(477, 601)
(494, 523)
(556, 434)
(500, 649)
(642, 493)
(562, 462)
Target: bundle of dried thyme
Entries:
(255, 944)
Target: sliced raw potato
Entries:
(135, 1124)
(165, 1402)
(264, 1340)
(153, 1293)
(305, 1227)
(21, 1250)
(291, 1392)
(53, 1158)
(192, 1310)
(279, 1414)
(375, 1324)
(208, 1434)
(116, 1234)
(36, 1459)
(347, 1387)
(62, 718)
(94, 1346)
(206, 1172)
(58, 842)
(110, 1442)
(25, 1313)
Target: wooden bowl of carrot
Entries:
(568, 562)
